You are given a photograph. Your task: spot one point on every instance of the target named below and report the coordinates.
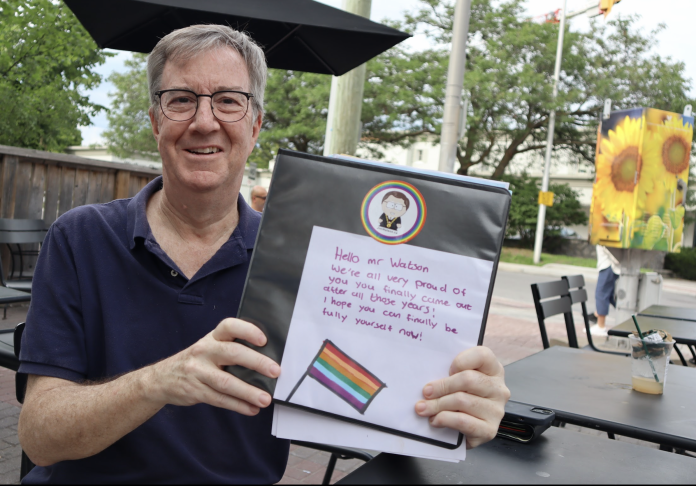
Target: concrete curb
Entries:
(674, 285)
(550, 270)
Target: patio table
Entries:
(557, 457)
(594, 390)
(670, 312)
(683, 331)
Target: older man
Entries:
(130, 323)
(258, 197)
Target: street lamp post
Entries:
(541, 219)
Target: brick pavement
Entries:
(511, 338)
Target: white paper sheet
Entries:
(290, 423)
(400, 311)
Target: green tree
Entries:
(130, 132)
(508, 80)
(566, 209)
(46, 62)
(296, 108)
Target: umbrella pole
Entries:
(343, 125)
(455, 81)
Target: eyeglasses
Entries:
(396, 206)
(181, 104)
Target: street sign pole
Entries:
(453, 94)
(541, 218)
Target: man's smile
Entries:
(204, 150)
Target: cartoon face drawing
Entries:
(394, 205)
(393, 212)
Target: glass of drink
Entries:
(649, 370)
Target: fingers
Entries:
(236, 354)
(478, 358)
(469, 381)
(476, 417)
(226, 390)
(231, 329)
(226, 353)
(196, 376)
(475, 430)
(471, 400)
(478, 407)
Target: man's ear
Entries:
(154, 122)
(256, 127)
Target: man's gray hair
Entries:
(183, 44)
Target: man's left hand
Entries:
(471, 400)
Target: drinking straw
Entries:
(652, 366)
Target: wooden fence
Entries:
(44, 185)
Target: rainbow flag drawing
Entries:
(344, 376)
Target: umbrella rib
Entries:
(319, 58)
(297, 27)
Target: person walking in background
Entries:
(258, 198)
(609, 271)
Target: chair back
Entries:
(558, 302)
(18, 231)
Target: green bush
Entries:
(683, 264)
(566, 211)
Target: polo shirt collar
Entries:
(139, 228)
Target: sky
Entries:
(677, 15)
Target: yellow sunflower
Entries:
(665, 161)
(673, 140)
(619, 164)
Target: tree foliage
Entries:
(508, 80)
(566, 209)
(130, 132)
(295, 114)
(46, 62)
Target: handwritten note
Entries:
(373, 323)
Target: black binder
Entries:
(464, 217)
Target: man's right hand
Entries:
(196, 375)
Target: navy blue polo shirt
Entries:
(107, 300)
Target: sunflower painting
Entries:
(642, 165)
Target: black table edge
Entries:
(667, 317)
(620, 333)
(626, 431)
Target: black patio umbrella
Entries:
(302, 35)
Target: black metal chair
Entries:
(15, 233)
(578, 295)
(560, 304)
(12, 347)
(13, 291)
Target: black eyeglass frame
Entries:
(162, 91)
